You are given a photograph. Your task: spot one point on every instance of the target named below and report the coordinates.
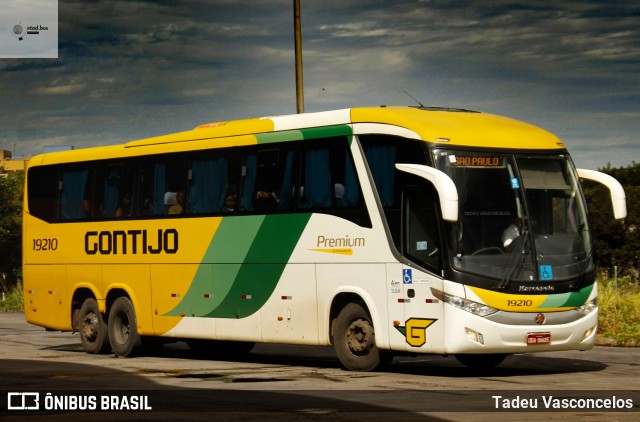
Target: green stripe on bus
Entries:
(310, 133)
(283, 136)
(237, 231)
(327, 132)
(567, 300)
(578, 298)
(255, 260)
(263, 266)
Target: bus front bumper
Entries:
(468, 333)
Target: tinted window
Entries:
(213, 180)
(162, 180)
(328, 175)
(42, 187)
(304, 176)
(268, 179)
(420, 227)
(75, 199)
(112, 190)
(382, 153)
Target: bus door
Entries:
(421, 269)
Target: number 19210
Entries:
(45, 244)
(519, 302)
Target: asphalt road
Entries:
(282, 382)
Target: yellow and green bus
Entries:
(378, 231)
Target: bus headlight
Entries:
(588, 307)
(464, 304)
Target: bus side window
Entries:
(268, 180)
(42, 187)
(329, 176)
(382, 153)
(318, 190)
(208, 183)
(74, 200)
(347, 182)
(421, 241)
(110, 192)
(160, 174)
(382, 160)
(329, 182)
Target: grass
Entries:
(619, 317)
(12, 301)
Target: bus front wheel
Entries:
(92, 328)
(355, 341)
(123, 331)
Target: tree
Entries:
(11, 189)
(617, 242)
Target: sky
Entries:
(128, 70)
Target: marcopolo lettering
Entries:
(131, 242)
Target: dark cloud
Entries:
(132, 69)
(27, 65)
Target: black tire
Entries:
(481, 361)
(354, 340)
(92, 328)
(123, 331)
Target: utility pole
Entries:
(298, 47)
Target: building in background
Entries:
(10, 165)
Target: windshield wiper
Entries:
(519, 244)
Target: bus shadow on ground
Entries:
(433, 365)
(515, 365)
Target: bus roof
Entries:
(454, 127)
(461, 127)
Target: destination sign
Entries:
(466, 161)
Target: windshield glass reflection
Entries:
(521, 218)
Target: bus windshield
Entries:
(522, 217)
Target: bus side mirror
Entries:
(447, 191)
(618, 197)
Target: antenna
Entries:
(297, 29)
(413, 98)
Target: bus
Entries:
(378, 231)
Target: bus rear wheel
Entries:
(355, 340)
(92, 328)
(123, 332)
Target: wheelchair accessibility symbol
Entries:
(546, 272)
(407, 276)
